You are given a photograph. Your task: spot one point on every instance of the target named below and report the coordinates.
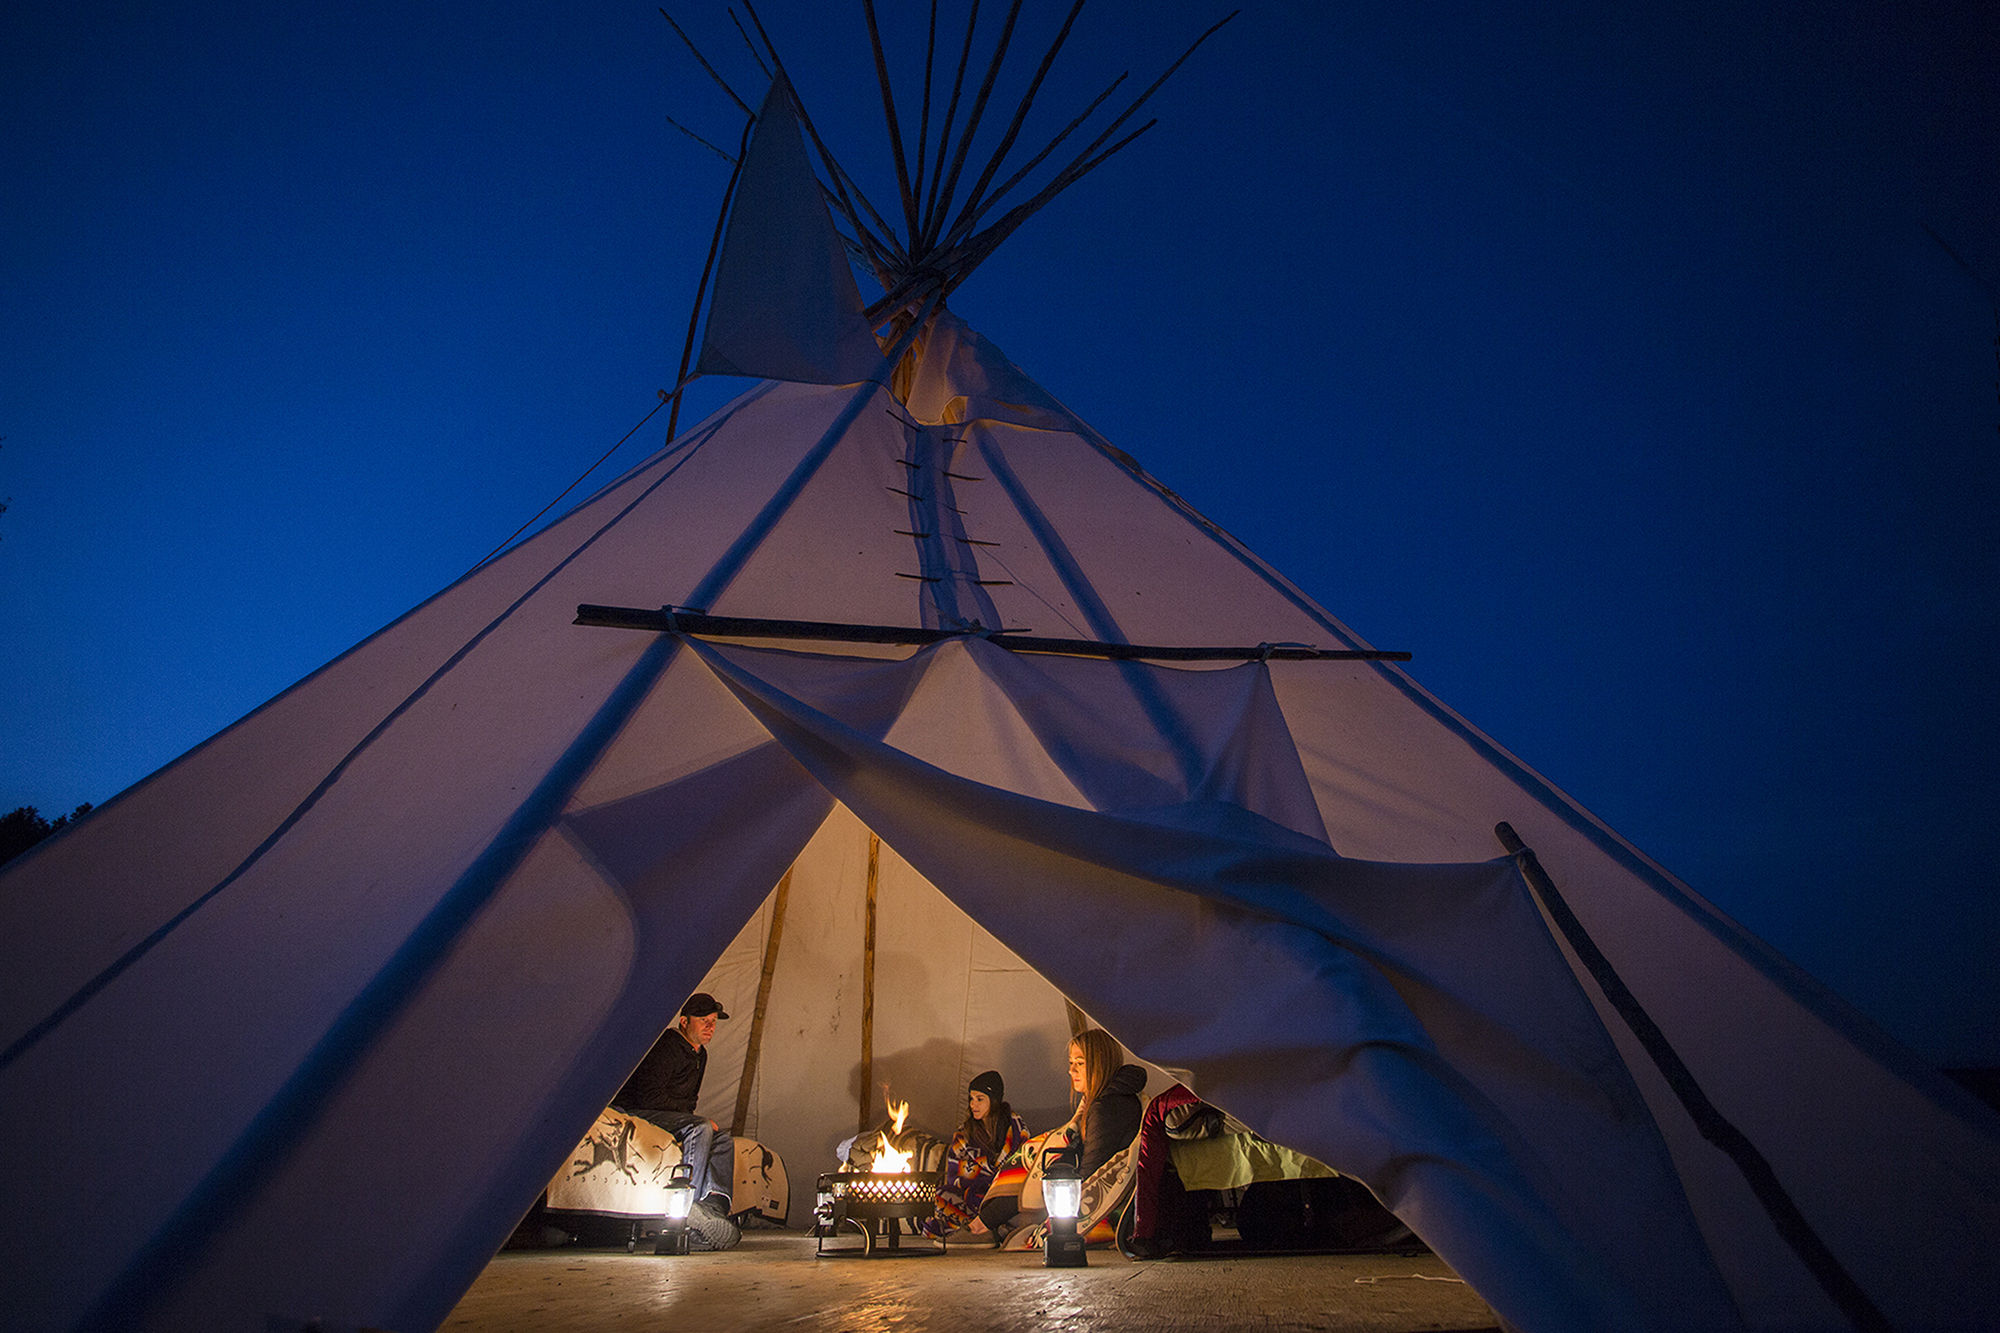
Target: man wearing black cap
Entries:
(664, 1088)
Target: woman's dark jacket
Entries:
(1113, 1121)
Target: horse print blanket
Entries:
(620, 1169)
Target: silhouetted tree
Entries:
(23, 827)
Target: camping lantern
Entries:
(1062, 1191)
(680, 1198)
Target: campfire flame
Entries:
(887, 1158)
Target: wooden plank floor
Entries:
(774, 1282)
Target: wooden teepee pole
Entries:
(978, 247)
(1089, 156)
(708, 267)
(950, 116)
(1786, 1217)
(941, 205)
(843, 184)
(924, 111)
(1021, 112)
(720, 82)
(868, 990)
(895, 126)
(974, 210)
(755, 1049)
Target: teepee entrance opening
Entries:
(856, 976)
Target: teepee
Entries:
(896, 618)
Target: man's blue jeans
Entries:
(709, 1153)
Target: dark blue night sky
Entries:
(1599, 355)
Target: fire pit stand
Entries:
(875, 1203)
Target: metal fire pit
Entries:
(874, 1203)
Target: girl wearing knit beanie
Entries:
(990, 1135)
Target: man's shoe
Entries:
(710, 1230)
(1145, 1247)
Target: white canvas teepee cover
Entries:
(321, 1005)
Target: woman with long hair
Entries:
(1106, 1094)
(990, 1135)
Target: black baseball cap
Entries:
(700, 1005)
